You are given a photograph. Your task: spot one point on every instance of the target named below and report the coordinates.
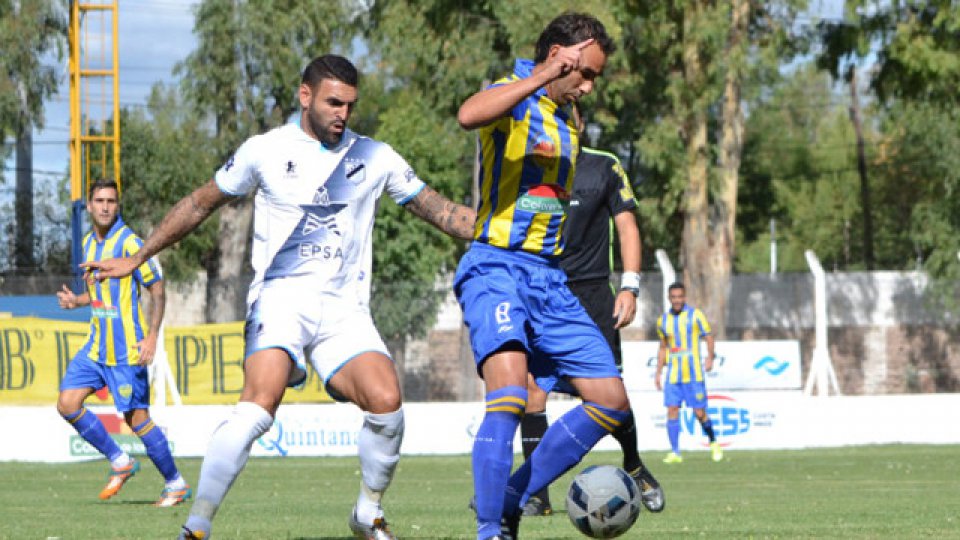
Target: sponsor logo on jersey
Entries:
(354, 169)
(291, 170)
(310, 250)
(102, 311)
(315, 222)
(544, 199)
(229, 164)
(545, 153)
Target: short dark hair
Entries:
(329, 66)
(571, 28)
(676, 285)
(102, 184)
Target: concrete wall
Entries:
(885, 335)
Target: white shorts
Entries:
(324, 330)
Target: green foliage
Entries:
(167, 152)
(409, 254)
(916, 77)
(246, 69)
(919, 53)
(799, 168)
(29, 31)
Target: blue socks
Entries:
(91, 429)
(673, 433)
(563, 446)
(493, 455)
(155, 442)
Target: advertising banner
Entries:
(206, 361)
(741, 420)
(739, 365)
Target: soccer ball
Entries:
(603, 501)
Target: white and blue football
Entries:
(603, 501)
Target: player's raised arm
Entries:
(189, 212)
(495, 102)
(454, 219)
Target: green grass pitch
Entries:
(894, 491)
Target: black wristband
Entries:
(635, 291)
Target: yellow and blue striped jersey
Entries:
(117, 321)
(527, 161)
(682, 332)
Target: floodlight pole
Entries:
(822, 378)
(668, 273)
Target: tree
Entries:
(165, 149)
(692, 59)
(915, 78)
(29, 32)
(244, 74)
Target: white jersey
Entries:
(315, 206)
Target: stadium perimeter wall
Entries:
(886, 334)
(743, 420)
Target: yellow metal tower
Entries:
(94, 94)
(94, 110)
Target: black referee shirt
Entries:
(601, 190)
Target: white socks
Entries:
(379, 450)
(120, 461)
(226, 456)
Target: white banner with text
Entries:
(742, 420)
(739, 365)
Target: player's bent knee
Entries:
(383, 402)
(608, 393)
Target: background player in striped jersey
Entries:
(680, 330)
(520, 313)
(118, 349)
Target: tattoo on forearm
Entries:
(452, 218)
(189, 212)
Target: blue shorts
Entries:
(694, 394)
(129, 385)
(513, 296)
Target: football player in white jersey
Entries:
(316, 186)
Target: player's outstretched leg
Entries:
(379, 452)
(563, 446)
(90, 429)
(226, 456)
(175, 489)
(493, 455)
(651, 492)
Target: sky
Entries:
(153, 36)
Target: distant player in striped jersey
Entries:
(681, 330)
(317, 186)
(118, 349)
(521, 315)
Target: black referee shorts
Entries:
(597, 298)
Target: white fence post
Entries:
(822, 378)
(668, 273)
